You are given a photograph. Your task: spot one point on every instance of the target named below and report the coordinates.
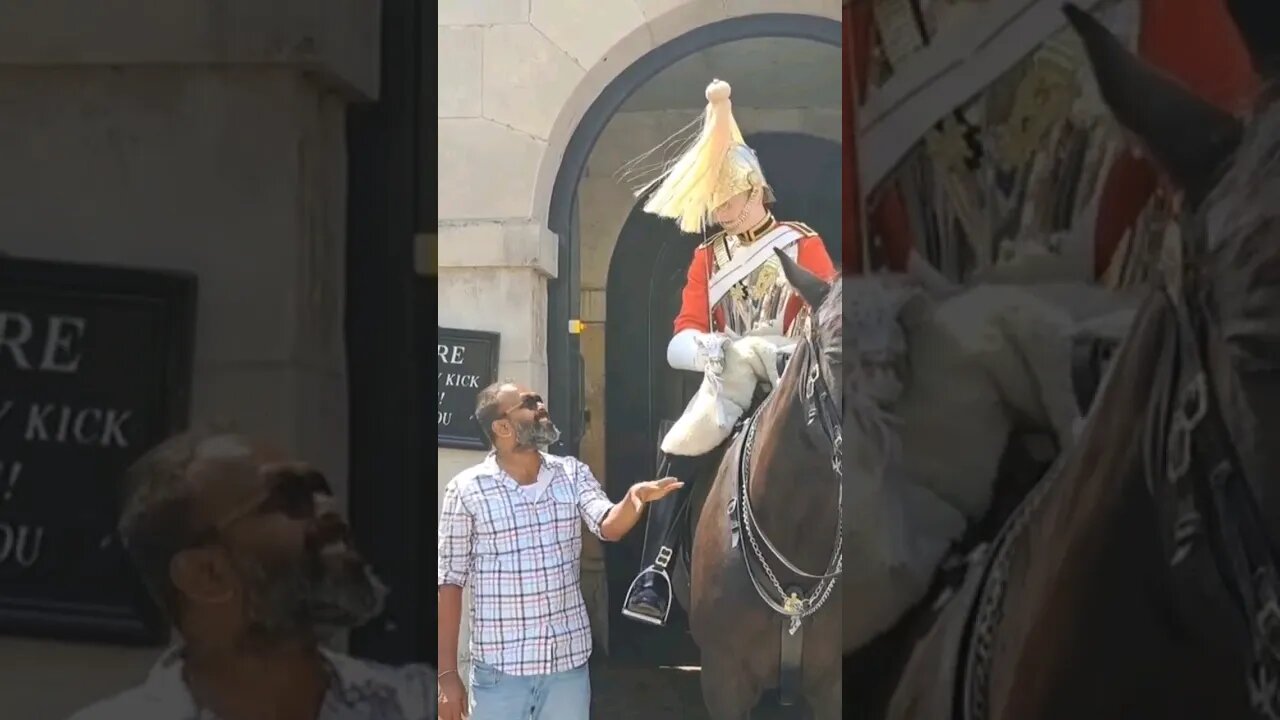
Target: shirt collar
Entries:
(166, 686)
(491, 468)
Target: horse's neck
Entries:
(1088, 596)
(792, 483)
(1103, 618)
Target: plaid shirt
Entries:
(522, 559)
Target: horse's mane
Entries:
(830, 319)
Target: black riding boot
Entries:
(650, 596)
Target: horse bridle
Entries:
(1193, 441)
(823, 420)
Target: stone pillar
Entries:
(206, 136)
(493, 276)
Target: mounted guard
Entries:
(737, 322)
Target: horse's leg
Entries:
(727, 688)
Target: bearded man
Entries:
(511, 530)
(244, 551)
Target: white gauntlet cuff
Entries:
(693, 350)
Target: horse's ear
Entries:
(1258, 22)
(1188, 138)
(809, 286)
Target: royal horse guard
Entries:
(738, 318)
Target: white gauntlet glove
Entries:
(710, 352)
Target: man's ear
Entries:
(1189, 139)
(199, 575)
(500, 428)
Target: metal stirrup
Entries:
(659, 568)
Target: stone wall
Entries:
(206, 137)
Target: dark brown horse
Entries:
(748, 547)
(1140, 579)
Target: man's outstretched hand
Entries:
(647, 492)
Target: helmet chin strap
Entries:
(741, 220)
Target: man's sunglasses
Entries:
(528, 401)
(290, 491)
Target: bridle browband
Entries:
(1187, 439)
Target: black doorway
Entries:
(646, 274)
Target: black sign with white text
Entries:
(95, 368)
(466, 362)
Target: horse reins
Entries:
(1195, 435)
(822, 417)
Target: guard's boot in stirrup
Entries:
(649, 598)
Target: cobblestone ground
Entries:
(648, 693)
(645, 693)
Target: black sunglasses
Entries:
(528, 401)
(291, 491)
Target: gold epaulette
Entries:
(805, 230)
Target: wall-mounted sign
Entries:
(95, 367)
(466, 363)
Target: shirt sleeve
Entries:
(593, 503)
(455, 538)
(693, 301)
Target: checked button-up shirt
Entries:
(521, 556)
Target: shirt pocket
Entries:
(567, 523)
(564, 509)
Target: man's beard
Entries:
(315, 593)
(538, 434)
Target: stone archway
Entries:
(565, 380)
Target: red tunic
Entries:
(811, 255)
(1192, 40)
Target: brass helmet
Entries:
(717, 166)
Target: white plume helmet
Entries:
(713, 168)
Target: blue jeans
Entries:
(496, 695)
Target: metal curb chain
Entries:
(793, 607)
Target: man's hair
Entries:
(487, 407)
(157, 510)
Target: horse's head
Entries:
(1222, 278)
(821, 357)
(826, 333)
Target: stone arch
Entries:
(641, 54)
(626, 66)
